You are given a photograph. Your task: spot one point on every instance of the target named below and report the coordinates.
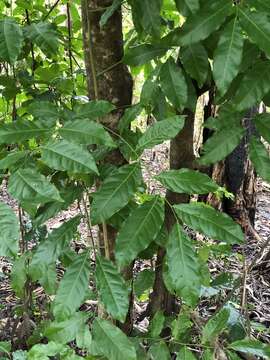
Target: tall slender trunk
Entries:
(181, 156)
(107, 79)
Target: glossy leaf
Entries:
(143, 282)
(182, 261)
(262, 122)
(254, 86)
(73, 286)
(44, 36)
(221, 144)
(11, 40)
(213, 14)
(228, 56)
(161, 131)
(260, 158)
(112, 342)
(67, 156)
(19, 131)
(173, 84)
(49, 210)
(186, 7)
(159, 351)
(109, 12)
(215, 326)
(212, 223)
(44, 110)
(142, 54)
(93, 109)
(28, 185)
(185, 354)
(257, 26)
(139, 230)
(187, 181)
(10, 231)
(86, 132)
(195, 60)
(115, 192)
(11, 159)
(64, 331)
(49, 250)
(147, 14)
(113, 291)
(251, 347)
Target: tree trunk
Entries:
(107, 79)
(237, 174)
(181, 156)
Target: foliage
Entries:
(55, 146)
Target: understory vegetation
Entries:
(89, 90)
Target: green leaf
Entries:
(156, 324)
(44, 110)
(187, 181)
(257, 26)
(260, 158)
(262, 122)
(19, 276)
(228, 56)
(45, 212)
(28, 185)
(19, 131)
(49, 250)
(251, 347)
(10, 231)
(139, 230)
(93, 109)
(86, 132)
(212, 223)
(112, 342)
(109, 12)
(143, 282)
(48, 279)
(253, 87)
(67, 156)
(185, 354)
(65, 331)
(129, 116)
(173, 84)
(195, 60)
(44, 351)
(159, 351)
(142, 54)
(186, 7)
(261, 5)
(44, 36)
(11, 40)
(115, 192)
(199, 26)
(182, 261)
(11, 159)
(221, 144)
(73, 286)
(147, 14)
(161, 131)
(113, 291)
(215, 326)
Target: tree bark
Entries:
(107, 79)
(237, 174)
(181, 156)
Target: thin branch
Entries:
(51, 10)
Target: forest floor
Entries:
(257, 285)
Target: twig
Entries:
(90, 234)
(51, 10)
